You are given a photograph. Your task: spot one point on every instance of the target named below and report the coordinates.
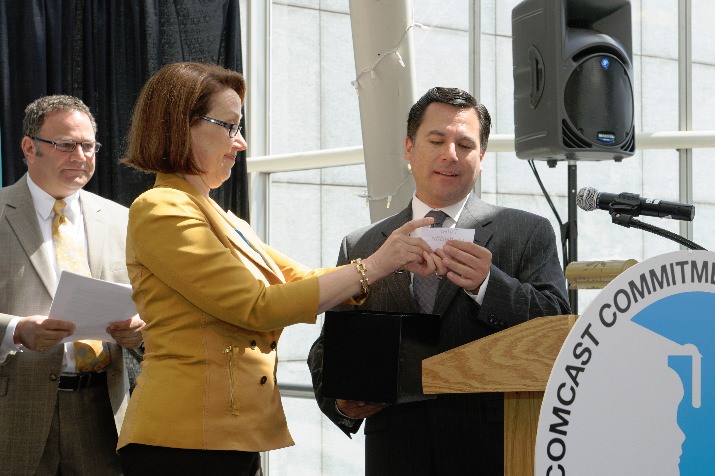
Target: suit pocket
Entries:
(252, 376)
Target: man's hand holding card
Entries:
(464, 263)
(437, 237)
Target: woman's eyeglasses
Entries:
(231, 128)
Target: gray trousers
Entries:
(83, 437)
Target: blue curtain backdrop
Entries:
(103, 52)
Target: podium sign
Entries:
(516, 361)
(627, 393)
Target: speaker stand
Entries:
(571, 230)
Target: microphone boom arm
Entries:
(628, 221)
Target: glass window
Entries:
(314, 107)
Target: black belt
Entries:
(72, 382)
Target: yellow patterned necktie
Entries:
(90, 355)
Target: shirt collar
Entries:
(44, 202)
(420, 209)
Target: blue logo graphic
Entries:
(689, 319)
(608, 137)
(605, 63)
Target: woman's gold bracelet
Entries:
(364, 283)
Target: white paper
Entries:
(92, 304)
(436, 237)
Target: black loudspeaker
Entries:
(573, 80)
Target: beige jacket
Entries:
(28, 380)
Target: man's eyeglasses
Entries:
(70, 145)
(231, 128)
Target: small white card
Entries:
(437, 237)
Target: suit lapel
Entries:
(476, 216)
(398, 283)
(225, 225)
(398, 286)
(249, 243)
(95, 225)
(22, 217)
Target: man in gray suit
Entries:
(509, 274)
(54, 420)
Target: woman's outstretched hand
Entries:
(404, 252)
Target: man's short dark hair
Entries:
(36, 111)
(454, 97)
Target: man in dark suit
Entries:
(54, 418)
(509, 274)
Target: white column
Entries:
(257, 110)
(382, 42)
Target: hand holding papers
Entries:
(92, 304)
(437, 237)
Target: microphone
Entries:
(632, 204)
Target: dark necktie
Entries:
(425, 287)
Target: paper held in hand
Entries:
(92, 304)
(436, 237)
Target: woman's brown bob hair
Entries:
(170, 102)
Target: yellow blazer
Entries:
(214, 307)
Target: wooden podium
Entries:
(516, 361)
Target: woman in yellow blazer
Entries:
(214, 297)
